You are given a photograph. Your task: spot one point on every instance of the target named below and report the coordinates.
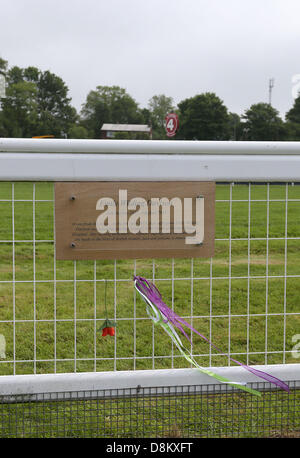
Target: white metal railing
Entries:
(90, 160)
(28, 260)
(148, 147)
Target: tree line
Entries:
(37, 103)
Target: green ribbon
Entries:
(158, 319)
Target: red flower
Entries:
(110, 331)
(108, 328)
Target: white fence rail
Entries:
(90, 160)
(245, 298)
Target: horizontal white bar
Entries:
(117, 167)
(133, 381)
(147, 146)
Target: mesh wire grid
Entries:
(198, 412)
(244, 299)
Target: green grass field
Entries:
(50, 316)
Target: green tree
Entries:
(31, 74)
(36, 103)
(159, 106)
(203, 117)
(78, 131)
(3, 131)
(263, 123)
(292, 123)
(109, 104)
(293, 115)
(15, 75)
(19, 110)
(56, 115)
(146, 116)
(235, 126)
(292, 131)
(3, 66)
(3, 71)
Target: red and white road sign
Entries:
(172, 124)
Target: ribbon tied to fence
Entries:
(165, 317)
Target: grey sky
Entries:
(176, 47)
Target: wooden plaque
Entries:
(120, 220)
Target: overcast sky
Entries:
(179, 48)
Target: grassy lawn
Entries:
(238, 299)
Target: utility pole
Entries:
(271, 85)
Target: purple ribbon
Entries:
(154, 296)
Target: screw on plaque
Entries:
(72, 198)
(73, 245)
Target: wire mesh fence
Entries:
(193, 412)
(244, 299)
